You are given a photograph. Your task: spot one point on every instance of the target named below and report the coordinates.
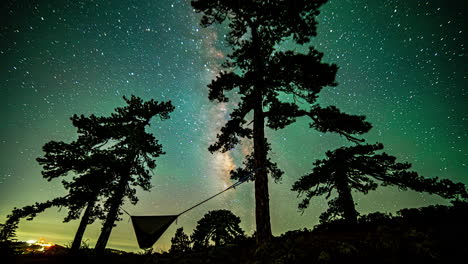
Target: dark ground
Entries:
(434, 234)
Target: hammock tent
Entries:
(148, 229)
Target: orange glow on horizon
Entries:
(40, 242)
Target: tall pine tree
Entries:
(131, 150)
(270, 83)
(111, 155)
(90, 166)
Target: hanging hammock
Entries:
(148, 229)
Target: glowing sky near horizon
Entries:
(402, 64)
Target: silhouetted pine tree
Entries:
(91, 165)
(8, 231)
(360, 168)
(131, 149)
(270, 82)
(110, 155)
(219, 226)
(180, 243)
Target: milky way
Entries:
(402, 64)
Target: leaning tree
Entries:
(271, 82)
(88, 184)
(91, 181)
(111, 155)
(219, 226)
(361, 169)
(131, 151)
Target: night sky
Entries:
(403, 64)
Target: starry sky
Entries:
(402, 64)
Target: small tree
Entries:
(360, 168)
(219, 226)
(180, 242)
(8, 230)
(7, 235)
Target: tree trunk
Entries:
(111, 217)
(347, 202)
(82, 227)
(262, 200)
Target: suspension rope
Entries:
(124, 211)
(242, 180)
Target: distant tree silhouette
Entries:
(360, 168)
(219, 226)
(7, 237)
(271, 83)
(180, 242)
(8, 229)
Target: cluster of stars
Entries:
(402, 64)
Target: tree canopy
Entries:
(111, 156)
(361, 169)
(180, 243)
(93, 160)
(219, 226)
(130, 150)
(89, 168)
